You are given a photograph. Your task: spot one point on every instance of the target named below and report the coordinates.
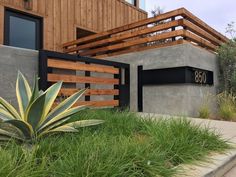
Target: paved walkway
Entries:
(218, 167)
(231, 173)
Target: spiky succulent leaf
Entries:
(5, 138)
(65, 105)
(64, 128)
(35, 92)
(85, 123)
(23, 93)
(9, 108)
(5, 115)
(56, 121)
(23, 126)
(35, 118)
(10, 134)
(35, 111)
(51, 95)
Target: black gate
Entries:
(104, 79)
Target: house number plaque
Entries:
(176, 75)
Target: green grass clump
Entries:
(204, 112)
(227, 106)
(123, 146)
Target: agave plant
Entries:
(37, 117)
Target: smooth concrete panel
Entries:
(182, 99)
(13, 60)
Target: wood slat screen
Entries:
(171, 28)
(101, 78)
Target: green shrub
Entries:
(36, 118)
(226, 112)
(227, 105)
(204, 112)
(227, 61)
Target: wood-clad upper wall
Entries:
(61, 17)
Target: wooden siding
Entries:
(61, 17)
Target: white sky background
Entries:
(216, 13)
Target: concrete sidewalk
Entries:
(221, 165)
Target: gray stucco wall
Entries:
(11, 60)
(166, 99)
(175, 99)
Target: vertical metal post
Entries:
(173, 29)
(43, 71)
(140, 89)
(87, 85)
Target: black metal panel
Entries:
(87, 85)
(140, 89)
(64, 56)
(178, 75)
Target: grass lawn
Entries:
(122, 147)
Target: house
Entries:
(46, 24)
(165, 64)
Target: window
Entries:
(142, 4)
(83, 33)
(22, 30)
(139, 3)
(132, 2)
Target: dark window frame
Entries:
(134, 4)
(8, 12)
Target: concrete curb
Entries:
(225, 165)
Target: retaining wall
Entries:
(175, 99)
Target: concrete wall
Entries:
(177, 99)
(11, 60)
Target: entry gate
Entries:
(108, 82)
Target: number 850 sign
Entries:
(200, 77)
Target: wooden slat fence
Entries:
(171, 28)
(103, 79)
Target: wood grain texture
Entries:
(126, 36)
(68, 92)
(106, 103)
(130, 26)
(81, 79)
(61, 17)
(133, 42)
(153, 32)
(60, 64)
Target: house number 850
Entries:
(200, 77)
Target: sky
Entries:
(216, 13)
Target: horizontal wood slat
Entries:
(128, 35)
(195, 29)
(81, 67)
(81, 79)
(134, 42)
(127, 27)
(68, 92)
(194, 19)
(107, 103)
(142, 48)
(202, 42)
(175, 25)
